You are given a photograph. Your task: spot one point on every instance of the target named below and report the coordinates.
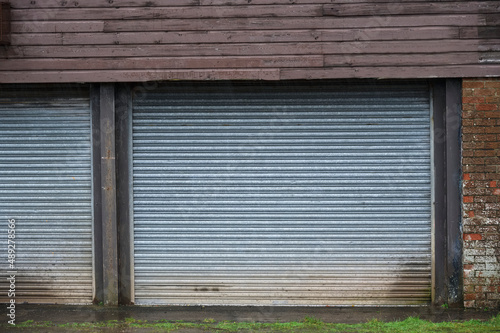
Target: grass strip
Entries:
(308, 324)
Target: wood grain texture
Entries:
(258, 36)
(242, 49)
(411, 8)
(138, 75)
(158, 13)
(292, 23)
(140, 40)
(164, 63)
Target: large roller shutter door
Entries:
(282, 194)
(45, 185)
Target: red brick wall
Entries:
(481, 191)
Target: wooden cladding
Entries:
(130, 40)
(4, 23)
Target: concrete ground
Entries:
(349, 315)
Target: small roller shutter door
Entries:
(45, 185)
(296, 193)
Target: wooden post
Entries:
(108, 191)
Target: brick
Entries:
(483, 92)
(474, 130)
(492, 206)
(492, 161)
(496, 191)
(479, 168)
(484, 137)
(473, 191)
(491, 114)
(490, 84)
(468, 199)
(472, 84)
(473, 145)
(469, 288)
(484, 153)
(486, 107)
(492, 289)
(493, 183)
(493, 266)
(469, 304)
(476, 252)
(485, 199)
(470, 297)
(474, 100)
(493, 296)
(467, 259)
(475, 161)
(492, 129)
(466, 176)
(484, 122)
(492, 99)
(476, 280)
(469, 237)
(475, 207)
(470, 108)
(492, 145)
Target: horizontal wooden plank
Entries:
(480, 32)
(413, 72)
(47, 27)
(252, 74)
(411, 8)
(161, 63)
(493, 46)
(263, 2)
(165, 3)
(100, 3)
(363, 60)
(364, 1)
(489, 57)
(280, 23)
(146, 13)
(252, 36)
(282, 62)
(138, 76)
(228, 24)
(241, 49)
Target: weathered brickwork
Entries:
(481, 191)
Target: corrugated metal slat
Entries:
(282, 194)
(45, 185)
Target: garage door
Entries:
(296, 193)
(45, 187)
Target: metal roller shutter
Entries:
(282, 194)
(45, 185)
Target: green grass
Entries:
(308, 324)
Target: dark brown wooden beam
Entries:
(252, 36)
(108, 193)
(411, 8)
(146, 13)
(242, 49)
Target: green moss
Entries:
(308, 324)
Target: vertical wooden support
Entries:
(448, 273)
(454, 274)
(95, 102)
(124, 192)
(439, 122)
(108, 192)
